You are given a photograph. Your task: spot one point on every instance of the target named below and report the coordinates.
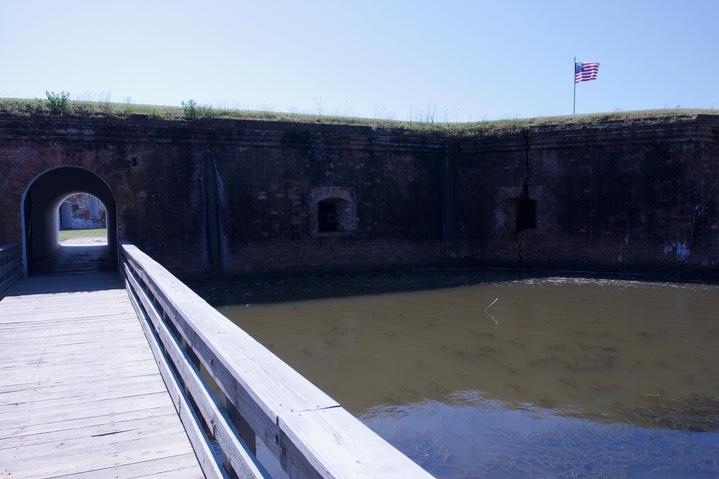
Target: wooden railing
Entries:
(255, 395)
(10, 265)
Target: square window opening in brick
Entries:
(334, 215)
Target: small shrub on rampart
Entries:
(59, 103)
(193, 111)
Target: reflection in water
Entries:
(558, 377)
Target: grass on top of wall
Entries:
(61, 105)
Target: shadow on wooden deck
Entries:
(70, 283)
(76, 259)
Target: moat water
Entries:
(514, 377)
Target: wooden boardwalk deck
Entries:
(80, 393)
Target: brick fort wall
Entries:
(215, 196)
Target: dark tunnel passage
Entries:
(42, 250)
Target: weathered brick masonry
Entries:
(237, 196)
(614, 196)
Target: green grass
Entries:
(68, 234)
(190, 111)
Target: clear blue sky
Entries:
(457, 60)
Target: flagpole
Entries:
(574, 80)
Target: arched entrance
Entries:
(41, 202)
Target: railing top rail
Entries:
(294, 418)
(10, 249)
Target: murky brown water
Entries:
(554, 377)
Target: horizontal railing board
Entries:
(199, 321)
(265, 386)
(334, 453)
(10, 265)
(307, 430)
(10, 281)
(187, 416)
(242, 461)
(10, 249)
(262, 420)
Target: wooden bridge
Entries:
(84, 393)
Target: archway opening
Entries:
(82, 221)
(45, 199)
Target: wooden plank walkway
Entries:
(80, 393)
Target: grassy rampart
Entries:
(190, 111)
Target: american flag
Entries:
(585, 71)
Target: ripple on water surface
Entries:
(551, 377)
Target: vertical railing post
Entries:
(243, 427)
